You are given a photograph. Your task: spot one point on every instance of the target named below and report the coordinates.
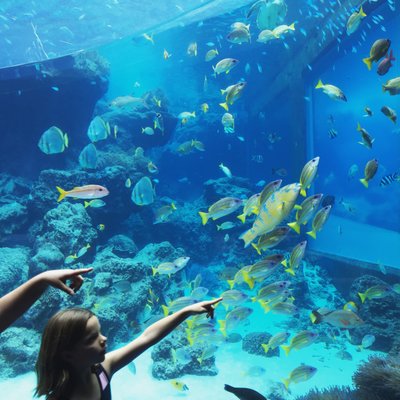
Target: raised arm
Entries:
(117, 359)
(15, 303)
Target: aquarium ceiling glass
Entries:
(34, 31)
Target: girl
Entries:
(73, 363)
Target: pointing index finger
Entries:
(81, 271)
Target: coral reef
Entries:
(215, 189)
(13, 217)
(14, 267)
(332, 393)
(164, 366)
(378, 379)
(252, 344)
(387, 309)
(19, 348)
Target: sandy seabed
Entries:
(233, 365)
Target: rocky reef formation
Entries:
(381, 315)
(165, 366)
(252, 344)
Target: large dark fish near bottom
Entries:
(244, 393)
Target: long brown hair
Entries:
(62, 332)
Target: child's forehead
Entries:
(92, 324)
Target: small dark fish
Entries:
(244, 393)
(280, 171)
(390, 113)
(332, 133)
(368, 111)
(328, 200)
(385, 64)
(389, 179)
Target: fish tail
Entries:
(165, 310)
(62, 192)
(312, 233)
(224, 106)
(229, 388)
(303, 192)
(219, 227)
(284, 263)
(242, 217)
(173, 206)
(257, 249)
(363, 296)
(290, 271)
(295, 226)
(361, 13)
(87, 204)
(315, 317)
(291, 27)
(200, 360)
(286, 382)
(222, 326)
(367, 61)
(248, 237)
(364, 182)
(248, 280)
(286, 349)
(66, 141)
(231, 283)
(319, 85)
(391, 58)
(189, 337)
(154, 270)
(265, 347)
(358, 126)
(204, 217)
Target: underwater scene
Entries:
(250, 153)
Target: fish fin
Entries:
(87, 204)
(298, 207)
(265, 347)
(286, 349)
(247, 237)
(312, 233)
(62, 192)
(258, 250)
(367, 61)
(295, 226)
(173, 206)
(303, 192)
(242, 217)
(224, 106)
(319, 84)
(219, 227)
(363, 296)
(222, 326)
(248, 280)
(165, 310)
(66, 141)
(204, 217)
(291, 27)
(290, 271)
(316, 317)
(364, 182)
(284, 263)
(358, 126)
(361, 13)
(231, 283)
(286, 382)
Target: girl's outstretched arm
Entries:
(15, 303)
(117, 359)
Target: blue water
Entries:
(281, 122)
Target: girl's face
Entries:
(91, 349)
